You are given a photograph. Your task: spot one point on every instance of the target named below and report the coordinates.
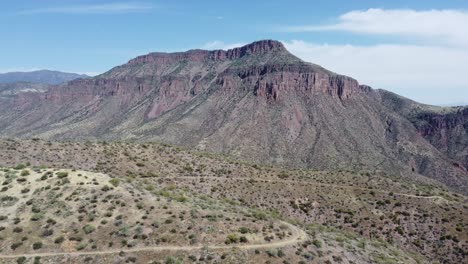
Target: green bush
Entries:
(25, 173)
(20, 166)
(59, 240)
(317, 243)
(37, 217)
(244, 230)
(172, 260)
(37, 245)
(272, 253)
(62, 174)
(88, 229)
(16, 245)
(115, 182)
(232, 238)
(81, 246)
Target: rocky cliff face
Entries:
(447, 131)
(257, 102)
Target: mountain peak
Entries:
(258, 47)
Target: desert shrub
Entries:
(272, 253)
(244, 230)
(115, 182)
(37, 245)
(59, 240)
(317, 243)
(24, 173)
(188, 168)
(232, 238)
(399, 230)
(37, 217)
(172, 260)
(20, 166)
(8, 199)
(181, 199)
(16, 245)
(81, 246)
(62, 174)
(21, 260)
(25, 190)
(131, 259)
(88, 229)
(47, 232)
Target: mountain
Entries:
(10, 89)
(446, 128)
(42, 77)
(257, 102)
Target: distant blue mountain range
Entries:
(42, 77)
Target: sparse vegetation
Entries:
(135, 208)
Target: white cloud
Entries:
(442, 26)
(217, 44)
(429, 74)
(107, 8)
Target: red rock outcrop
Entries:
(258, 102)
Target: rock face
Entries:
(447, 132)
(258, 102)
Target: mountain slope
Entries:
(388, 211)
(444, 127)
(257, 102)
(42, 77)
(10, 89)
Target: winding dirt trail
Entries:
(298, 235)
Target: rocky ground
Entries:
(358, 216)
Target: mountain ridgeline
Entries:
(257, 102)
(39, 77)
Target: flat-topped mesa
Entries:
(198, 55)
(255, 48)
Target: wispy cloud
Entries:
(105, 8)
(428, 74)
(443, 26)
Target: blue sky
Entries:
(416, 48)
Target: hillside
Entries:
(11, 89)
(358, 216)
(40, 77)
(446, 128)
(256, 102)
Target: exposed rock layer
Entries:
(257, 102)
